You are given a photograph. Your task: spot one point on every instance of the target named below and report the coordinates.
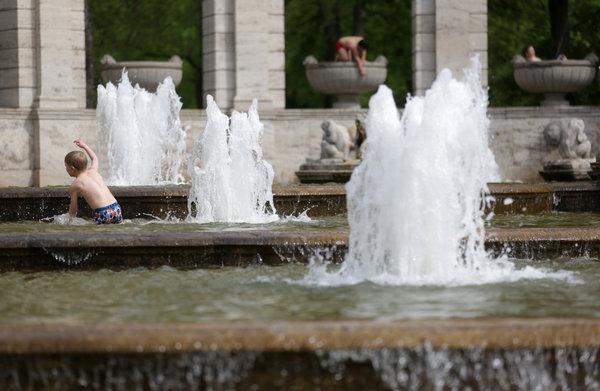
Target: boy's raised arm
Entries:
(80, 143)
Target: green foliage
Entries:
(132, 30)
(513, 24)
(153, 29)
(387, 27)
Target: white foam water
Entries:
(416, 202)
(140, 132)
(231, 181)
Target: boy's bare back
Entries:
(89, 184)
(92, 188)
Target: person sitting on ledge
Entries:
(347, 48)
(529, 54)
(89, 183)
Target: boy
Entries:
(91, 186)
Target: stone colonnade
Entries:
(42, 49)
(42, 71)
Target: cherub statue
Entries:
(336, 141)
(570, 138)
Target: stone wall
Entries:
(290, 136)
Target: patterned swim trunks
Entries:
(110, 214)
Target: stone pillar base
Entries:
(555, 100)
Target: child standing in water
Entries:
(89, 183)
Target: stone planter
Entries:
(148, 74)
(343, 80)
(554, 78)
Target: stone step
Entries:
(35, 203)
(95, 250)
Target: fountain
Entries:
(424, 179)
(425, 296)
(142, 133)
(231, 182)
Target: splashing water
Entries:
(231, 182)
(141, 133)
(416, 203)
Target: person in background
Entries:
(352, 47)
(529, 54)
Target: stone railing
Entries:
(342, 79)
(554, 78)
(148, 74)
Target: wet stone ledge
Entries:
(90, 250)
(577, 196)
(30, 203)
(343, 355)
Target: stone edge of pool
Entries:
(22, 203)
(505, 333)
(90, 250)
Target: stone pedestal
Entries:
(326, 170)
(567, 170)
(595, 171)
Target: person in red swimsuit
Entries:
(352, 47)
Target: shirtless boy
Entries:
(347, 48)
(91, 186)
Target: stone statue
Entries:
(570, 138)
(336, 141)
(336, 161)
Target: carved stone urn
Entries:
(554, 78)
(148, 74)
(341, 78)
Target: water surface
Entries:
(273, 293)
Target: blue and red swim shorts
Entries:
(110, 214)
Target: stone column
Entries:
(60, 56)
(446, 34)
(277, 54)
(243, 52)
(60, 96)
(17, 53)
(218, 52)
(252, 33)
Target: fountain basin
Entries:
(554, 78)
(343, 80)
(30, 203)
(148, 74)
(92, 248)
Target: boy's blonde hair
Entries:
(77, 160)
